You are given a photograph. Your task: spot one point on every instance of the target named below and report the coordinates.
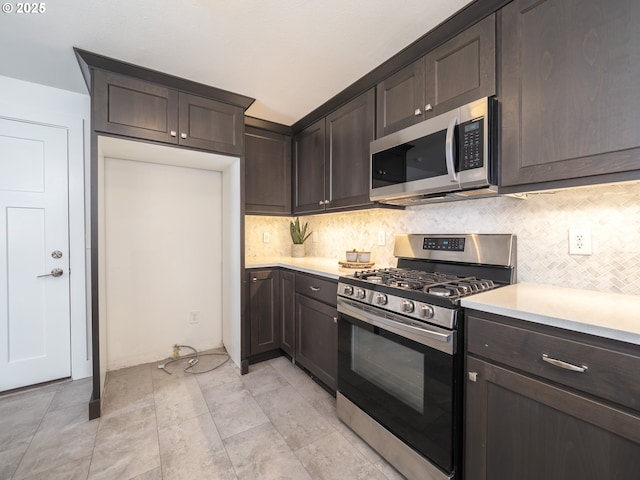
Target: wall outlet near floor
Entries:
(266, 237)
(194, 318)
(579, 241)
(382, 238)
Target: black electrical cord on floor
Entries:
(193, 358)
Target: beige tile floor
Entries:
(273, 423)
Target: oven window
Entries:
(394, 368)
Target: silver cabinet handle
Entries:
(321, 202)
(428, 107)
(565, 365)
(254, 279)
(183, 135)
(473, 376)
(314, 289)
(56, 272)
(173, 133)
(417, 112)
(335, 319)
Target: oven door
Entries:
(408, 385)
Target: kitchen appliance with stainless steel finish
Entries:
(445, 158)
(400, 355)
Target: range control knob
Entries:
(408, 306)
(426, 311)
(381, 299)
(360, 293)
(348, 290)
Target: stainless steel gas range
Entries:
(400, 347)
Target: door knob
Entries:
(183, 135)
(56, 272)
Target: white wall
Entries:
(144, 175)
(231, 308)
(163, 253)
(41, 104)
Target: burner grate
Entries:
(431, 283)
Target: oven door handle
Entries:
(379, 318)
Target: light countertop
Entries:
(326, 267)
(608, 315)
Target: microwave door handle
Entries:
(451, 168)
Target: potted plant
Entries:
(298, 236)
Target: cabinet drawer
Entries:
(317, 288)
(609, 374)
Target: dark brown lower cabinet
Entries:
(287, 312)
(519, 425)
(317, 339)
(264, 310)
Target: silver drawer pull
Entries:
(565, 365)
(314, 289)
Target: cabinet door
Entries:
(211, 125)
(519, 427)
(288, 311)
(349, 133)
(264, 311)
(134, 108)
(317, 339)
(462, 70)
(400, 99)
(309, 169)
(569, 80)
(267, 172)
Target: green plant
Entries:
(299, 234)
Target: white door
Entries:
(35, 325)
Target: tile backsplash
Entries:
(540, 221)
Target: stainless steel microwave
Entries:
(447, 157)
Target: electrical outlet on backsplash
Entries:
(540, 221)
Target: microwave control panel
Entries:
(472, 144)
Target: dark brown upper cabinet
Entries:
(210, 125)
(331, 159)
(136, 108)
(569, 90)
(309, 169)
(349, 131)
(457, 72)
(401, 99)
(267, 172)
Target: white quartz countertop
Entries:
(608, 315)
(326, 267)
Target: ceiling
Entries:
(290, 55)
